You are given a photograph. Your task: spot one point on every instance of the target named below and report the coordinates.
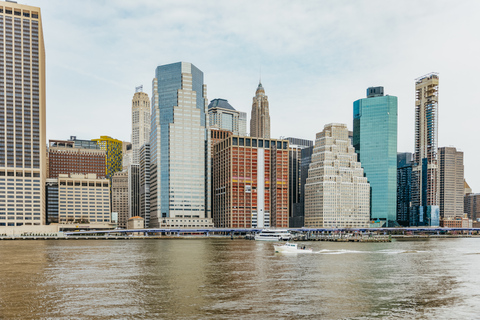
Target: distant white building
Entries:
(140, 123)
(337, 195)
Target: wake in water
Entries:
(386, 251)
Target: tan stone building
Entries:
(82, 198)
(120, 197)
(452, 186)
(135, 223)
(140, 122)
(260, 117)
(22, 119)
(337, 195)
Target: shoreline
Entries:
(199, 237)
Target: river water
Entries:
(241, 279)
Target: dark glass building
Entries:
(404, 187)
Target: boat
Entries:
(273, 235)
(292, 248)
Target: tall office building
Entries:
(22, 116)
(337, 195)
(452, 185)
(120, 197)
(375, 142)
(260, 119)
(113, 150)
(223, 116)
(404, 187)
(140, 122)
(299, 157)
(425, 174)
(179, 145)
(145, 183)
(250, 183)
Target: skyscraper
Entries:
(179, 142)
(337, 195)
(145, 183)
(451, 183)
(22, 116)
(120, 197)
(299, 157)
(140, 122)
(375, 142)
(404, 187)
(250, 183)
(223, 116)
(425, 180)
(260, 119)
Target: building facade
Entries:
(472, 206)
(85, 144)
(299, 157)
(179, 145)
(375, 142)
(337, 195)
(51, 192)
(120, 197)
(113, 154)
(22, 116)
(250, 183)
(260, 117)
(140, 122)
(425, 172)
(65, 158)
(127, 154)
(133, 190)
(224, 117)
(144, 168)
(451, 183)
(83, 198)
(404, 187)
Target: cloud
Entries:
(316, 57)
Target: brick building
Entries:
(250, 183)
(65, 158)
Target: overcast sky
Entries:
(316, 58)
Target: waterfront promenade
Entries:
(300, 234)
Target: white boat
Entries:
(292, 248)
(273, 235)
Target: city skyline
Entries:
(322, 66)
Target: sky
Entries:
(314, 57)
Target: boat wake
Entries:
(387, 251)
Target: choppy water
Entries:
(223, 278)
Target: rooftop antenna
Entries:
(139, 88)
(260, 80)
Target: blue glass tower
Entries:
(375, 141)
(179, 188)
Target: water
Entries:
(223, 278)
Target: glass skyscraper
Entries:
(179, 140)
(375, 141)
